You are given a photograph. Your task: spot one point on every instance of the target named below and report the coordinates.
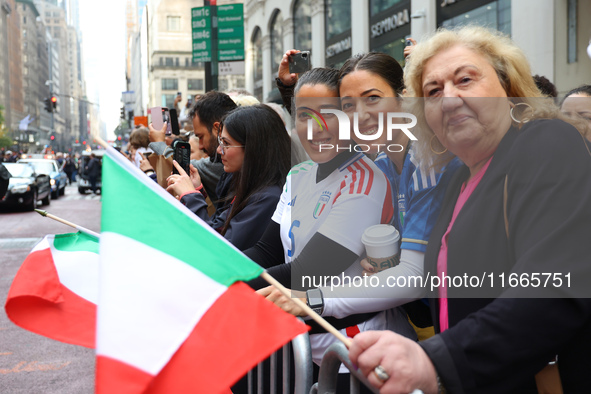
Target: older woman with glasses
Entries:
(515, 221)
(257, 154)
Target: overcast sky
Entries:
(103, 29)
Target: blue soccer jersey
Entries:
(419, 192)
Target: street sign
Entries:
(230, 19)
(230, 32)
(231, 68)
(201, 34)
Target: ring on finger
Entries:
(381, 373)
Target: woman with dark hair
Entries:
(257, 153)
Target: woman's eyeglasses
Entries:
(223, 145)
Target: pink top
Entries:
(465, 193)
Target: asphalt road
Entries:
(30, 363)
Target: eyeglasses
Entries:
(224, 146)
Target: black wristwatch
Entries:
(315, 300)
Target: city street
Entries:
(30, 363)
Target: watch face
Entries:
(315, 302)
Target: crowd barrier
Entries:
(302, 371)
(336, 354)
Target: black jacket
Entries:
(498, 345)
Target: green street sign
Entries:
(225, 55)
(202, 56)
(200, 18)
(231, 10)
(231, 32)
(201, 34)
(230, 15)
(231, 43)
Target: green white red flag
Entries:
(55, 291)
(172, 316)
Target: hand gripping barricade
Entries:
(336, 354)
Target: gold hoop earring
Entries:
(525, 119)
(431, 146)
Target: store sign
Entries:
(390, 23)
(339, 47)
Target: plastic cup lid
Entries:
(380, 234)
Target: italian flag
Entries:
(172, 317)
(55, 291)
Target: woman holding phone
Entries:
(258, 157)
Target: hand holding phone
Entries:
(159, 115)
(182, 155)
(299, 62)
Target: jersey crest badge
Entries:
(322, 201)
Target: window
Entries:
(302, 23)
(168, 61)
(168, 100)
(176, 61)
(173, 23)
(276, 41)
(257, 41)
(240, 84)
(338, 17)
(161, 62)
(170, 84)
(377, 6)
(195, 84)
(495, 15)
(572, 31)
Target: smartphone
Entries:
(174, 122)
(159, 115)
(146, 154)
(408, 43)
(299, 62)
(179, 94)
(182, 155)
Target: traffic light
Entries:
(52, 137)
(122, 112)
(53, 102)
(48, 105)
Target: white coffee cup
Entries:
(381, 245)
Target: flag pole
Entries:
(317, 318)
(79, 228)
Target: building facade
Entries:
(553, 33)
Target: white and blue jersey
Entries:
(419, 192)
(341, 206)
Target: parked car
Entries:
(26, 186)
(51, 167)
(83, 180)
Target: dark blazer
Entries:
(497, 345)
